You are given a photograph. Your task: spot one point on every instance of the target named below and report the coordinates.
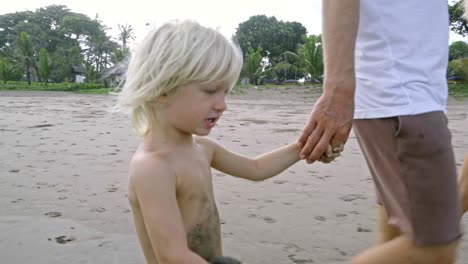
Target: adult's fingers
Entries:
(306, 132)
(311, 142)
(339, 139)
(320, 148)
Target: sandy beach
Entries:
(63, 183)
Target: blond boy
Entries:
(175, 89)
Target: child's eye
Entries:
(211, 91)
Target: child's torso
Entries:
(196, 202)
(197, 206)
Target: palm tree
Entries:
(125, 35)
(310, 56)
(44, 65)
(4, 69)
(26, 53)
(252, 67)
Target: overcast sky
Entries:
(222, 14)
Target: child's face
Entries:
(196, 107)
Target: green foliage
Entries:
(95, 91)
(91, 73)
(458, 90)
(283, 69)
(67, 87)
(275, 37)
(70, 38)
(26, 54)
(309, 57)
(252, 67)
(120, 56)
(5, 69)
(458, 50)
(458, 67)
(125, 35)
(458, 24)
(44, 65)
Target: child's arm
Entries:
(154, 184)
(260, 168)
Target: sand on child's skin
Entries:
(63, 183)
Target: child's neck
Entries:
(159, 139)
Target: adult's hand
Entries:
(329, 126)
(332, 117)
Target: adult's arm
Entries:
(331, 119)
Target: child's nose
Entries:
(220, 104)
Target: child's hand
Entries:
(331, 153)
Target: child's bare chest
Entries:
(198, 208)
(195, 188)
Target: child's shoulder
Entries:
(150, 165)
(206, 141)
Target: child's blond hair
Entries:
(172, 55)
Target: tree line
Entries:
(50, 43)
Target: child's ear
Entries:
(163, 98)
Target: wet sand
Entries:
(63, 180)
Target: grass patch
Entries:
(64, 87)
(95, 91)
(458, 91)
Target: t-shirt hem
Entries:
(413, 109)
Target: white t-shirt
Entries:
(401, 58)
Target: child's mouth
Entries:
(211, 122)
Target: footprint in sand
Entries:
(53, 214)
(266, 219)
(296, 259)
(342, 253)
(112, 189)
(98, 209)
(320, 218)
(352, 197)
(40, 126)
(63, 239)
(295, 253)
(279, 182)
(363, 229)
(269, 220)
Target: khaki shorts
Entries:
(411, 160)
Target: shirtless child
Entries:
(175, 90)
